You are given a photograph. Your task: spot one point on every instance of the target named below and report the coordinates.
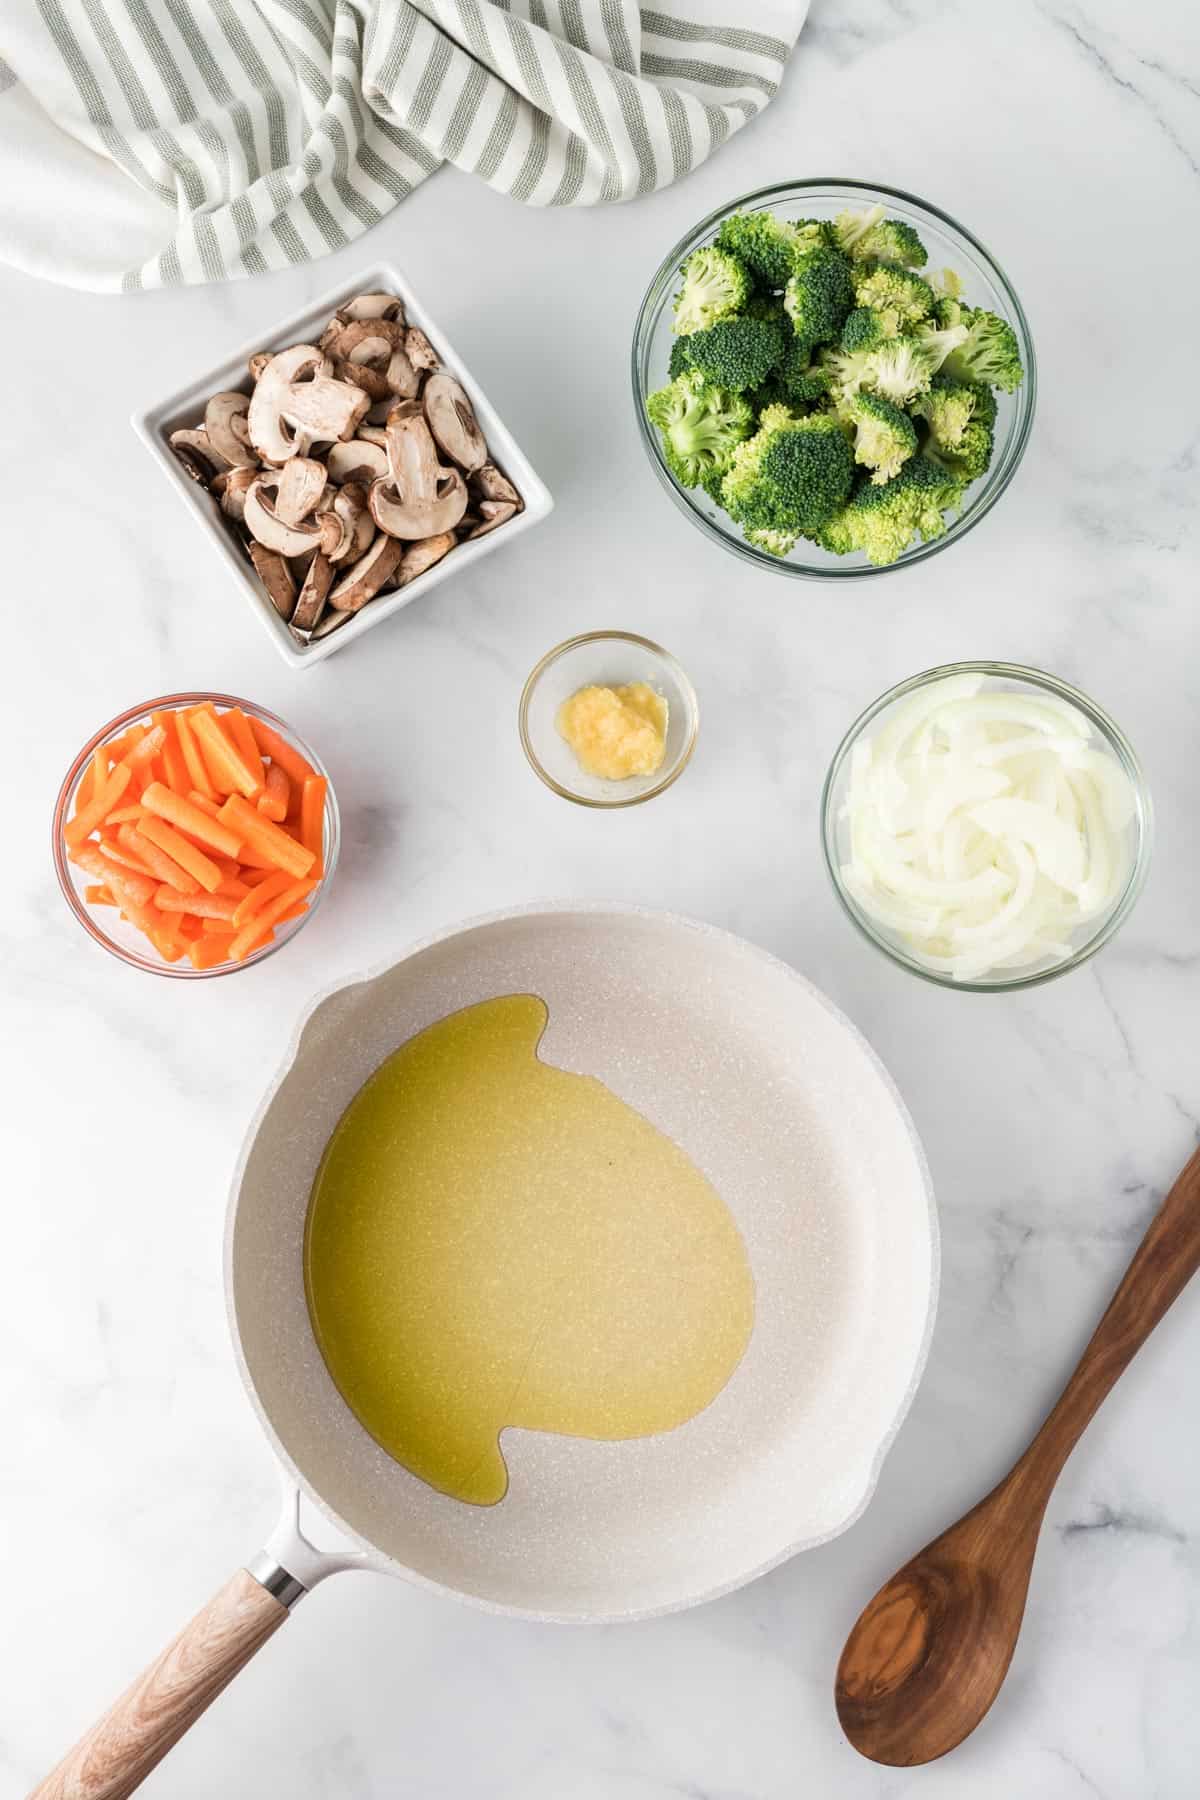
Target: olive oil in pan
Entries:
(492, 1242)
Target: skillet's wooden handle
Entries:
(117, 1754)
(1165, 1261)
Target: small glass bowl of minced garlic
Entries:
(608, 719)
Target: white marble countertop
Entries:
(134, 1477)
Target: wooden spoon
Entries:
(929, 1654)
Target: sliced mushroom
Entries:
(373, 382)
(377, 434)
(421, 556)
(301, 484)
(378, 411)
(363, 580)
(311, 603)
(492, 514)
(452, 421)
(366, 340)
(237, 485)
(199, 458)
(402, 377)
(300, 565)
(358, 461)
(261, 521)
(352, 506)
(330, 622)
(490, 483)
(258, 363)
(225, 424)
(295, 405)
(276, 577)
(375, 306)
(418, 349)
(336, 536)
(421, 498)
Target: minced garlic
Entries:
(616, 732)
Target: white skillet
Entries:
(792, 1117)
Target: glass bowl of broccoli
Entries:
(833, 379)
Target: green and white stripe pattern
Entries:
(260, 133)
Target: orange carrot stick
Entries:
(126, 815)
(97, 893)
(141, 758)
(275, 799)
(99, 806)
(200, 867)
(140, 887)
(211, 948)
(312, 816)
(226, 770)
(123, 855)
(203, 801)
(233, 887)
(268, 840)
(261, 926)
(157, 861)
(192, 760)
(257, 897)
(280, 751)
(126, 889)
(189, 925)
(187, 816)
(174, 769)
(236, 727)
(201, 906)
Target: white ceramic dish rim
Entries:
(154, 422)
(288, 1547)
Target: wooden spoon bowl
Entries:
(929, 1653)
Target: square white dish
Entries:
(155, 424)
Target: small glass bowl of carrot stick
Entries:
(195, 835)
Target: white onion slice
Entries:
(984, 828)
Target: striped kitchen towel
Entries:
(146, 143)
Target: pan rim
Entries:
(380, 1561)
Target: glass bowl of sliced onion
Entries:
(987, 826)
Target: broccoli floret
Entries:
(985, 402)
(815, 234)
(847, 372)
(700, 425)
(715, 285)
(791, 476)
(801, 381)
(899, 370)
(869, 237)
(882, 520)
(736, 354)
(850, 227)
(988, 353)
(770, 307)
(884, 437)
(679, 357)
(947, 409)
(900, 297)
(776, 543)
(865, 329)
(938, 341)
(969, 458)
(763, 244)
(948, 285)
(819, 295)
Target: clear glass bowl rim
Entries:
(994, 483)
(683, 681)
(131, 715)
(1109, 730)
